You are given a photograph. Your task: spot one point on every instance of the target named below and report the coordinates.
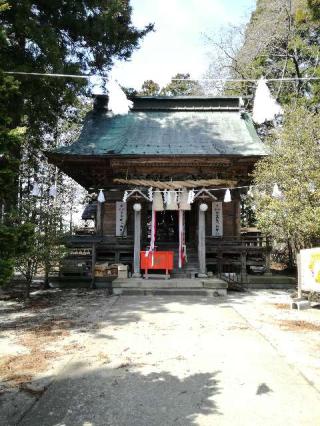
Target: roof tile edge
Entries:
(177, 103)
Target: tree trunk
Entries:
(46, 278)
(27, 289)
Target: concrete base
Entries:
(300, 304)
(266, 281)
(134, 275)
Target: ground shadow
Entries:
(124, 397)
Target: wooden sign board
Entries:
(309, 269)
(217, 219)
(121, 219)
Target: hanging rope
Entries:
(177, 184)
(87, 77)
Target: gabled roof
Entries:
(169, 126)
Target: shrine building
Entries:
(169, 176)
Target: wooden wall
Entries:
(231, 219)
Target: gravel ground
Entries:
(83, 358)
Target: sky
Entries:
(178, 44)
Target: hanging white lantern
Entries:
(265, 107)
(276, 193)
(118, 102)
(101, 197)
(35, 190)
(137, 207)
(203, 207)
(53, 191)
(227, 196)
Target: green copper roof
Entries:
(167, 132)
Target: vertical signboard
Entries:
(217, 219)
(121, 219)
(309, 271)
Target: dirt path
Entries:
(186, 361)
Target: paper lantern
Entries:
(203, 207)
(137, 207)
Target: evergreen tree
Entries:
(181, 85)
(149, 88)
(56, 36)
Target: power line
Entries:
(234, 80)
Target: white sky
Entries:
(178, 44)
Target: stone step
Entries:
(155, 283)
(169, 291)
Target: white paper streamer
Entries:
(35, 190)
(276, 193)
(53, 191)
(265, 107)
(101, 197)
(227, 196)
(191, 196)
(118, 103)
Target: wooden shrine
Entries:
(196, 146)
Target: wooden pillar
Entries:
(93, 264)
(99, 218)
(268, 258)
(202, 240)
(137, 240)
(244, 266)
(237, 217)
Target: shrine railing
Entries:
(255, 241)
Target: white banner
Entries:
(310, 269)
(121, 219)
(217, 219)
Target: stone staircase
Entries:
(174, 286)
(190, 269)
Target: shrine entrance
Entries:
(167, 226)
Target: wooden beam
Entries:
(202, 244)
(137, 244)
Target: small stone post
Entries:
(202, 240)
(137, 240)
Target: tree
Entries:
(282, 39)
(293, 216)
(66, 37)
(149, 88)
(181, 85)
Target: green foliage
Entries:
(55, 36)
(15, 241)
(283, 42)
(293, 164)
(149, 88)
(183, 87)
